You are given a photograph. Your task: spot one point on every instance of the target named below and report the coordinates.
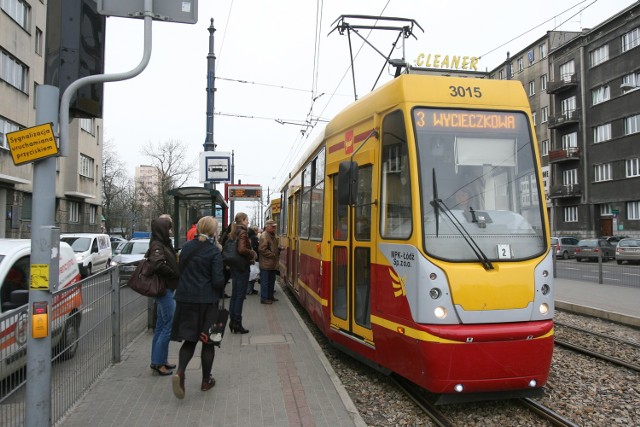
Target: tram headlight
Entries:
(433, 276)
(545, 273)
(545, 289)
(440, 312)
(544, 309)
(435, 293)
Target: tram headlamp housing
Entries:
(545, 289)
(435, 293)
(440, 312)
(544, 308)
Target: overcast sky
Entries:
(271, 45)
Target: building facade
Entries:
(78, 176)
(595, 129)
(582, 89)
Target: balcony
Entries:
(565, 191)
(564, 119)
(565, 83)
(566, 154)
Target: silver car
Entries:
(628, 250)
(592, 249)
(132, 252)
(564, 247)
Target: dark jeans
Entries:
(267, 284)
(239, 282)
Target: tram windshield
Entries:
(479, 187)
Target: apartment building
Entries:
(78, 176)
(582, 88)
(595, 129)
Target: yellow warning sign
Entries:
(31, 144)
(39, 276)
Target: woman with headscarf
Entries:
(162, 256)
(199, 290)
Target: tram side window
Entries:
(312, 199)
(340, 212)
(363, 204)
(395, 194)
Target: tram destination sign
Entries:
(245, 192)
(31, 144)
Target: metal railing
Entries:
(85, 342)
(598, 271)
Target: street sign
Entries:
(615, 211)
(215, 166)
(31, 144)
(180, 11)
(245, 192)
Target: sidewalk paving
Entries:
(276, 375)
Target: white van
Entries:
(93, 251)
(65, 316)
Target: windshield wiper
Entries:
(437, 203)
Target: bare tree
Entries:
(114, 183)
(174, 170)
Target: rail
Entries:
(85, 343)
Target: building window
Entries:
(544, 114)
(633, 167)
(567, 70)
(543, 50)
(39, 41)
(86, 166)
(630, 39)
(570, 177)
(602, 133)
(632, 124)
(520, 64)
(600, 94)
(570, 140)
(571, 214)
(633, 210)
(631, 82)
(532, 88)
(501, 74)
(13, 71)
(543, 82)
(599, 55)
(87, 125)
(568, 106)
(93, 210)
(74, 212)
(6, 126)
(533, 116)
(18, 10)
(602, 172)
(545, 147)
(605, 209)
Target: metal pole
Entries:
(43, 260)
(115, 315)
(232, 216)
(103, 78)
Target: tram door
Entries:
(292, 253)
(351, 250)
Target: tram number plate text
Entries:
(402, 259)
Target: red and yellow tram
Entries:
(416, 235)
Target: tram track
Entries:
(594, 344)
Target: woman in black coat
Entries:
(199, 290)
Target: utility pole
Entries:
(209, 145)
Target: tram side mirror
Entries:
(347, 183)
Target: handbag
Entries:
(145, 282)
(217, 321)
(231, 257)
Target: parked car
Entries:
(590, 249)
(65, 313)
(93, 251)
(614, 239)
(132, 252)
(565, 247)
(117, 243)
(628, 250)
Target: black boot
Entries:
(238, 328)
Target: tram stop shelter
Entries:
(192, 202)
